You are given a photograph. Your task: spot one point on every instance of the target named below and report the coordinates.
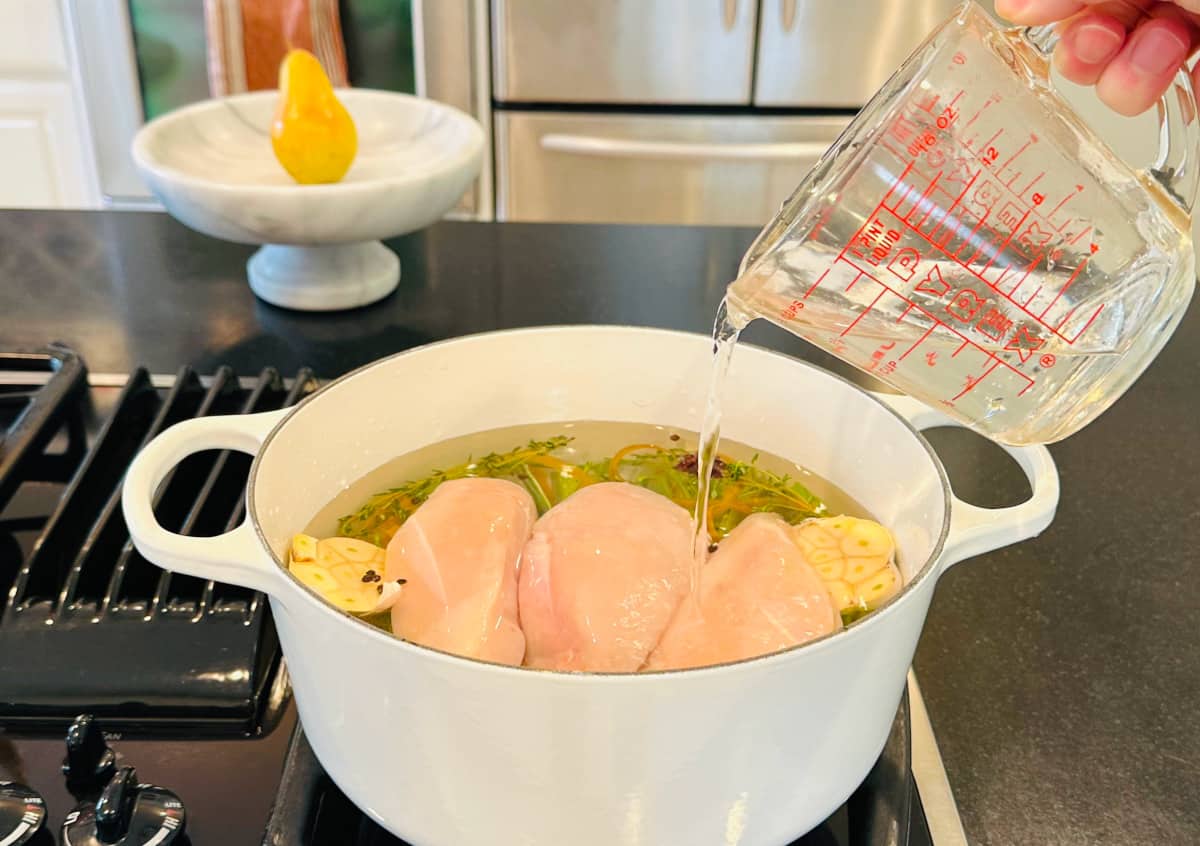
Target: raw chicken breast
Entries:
(602, 576)
(460, 552)
(758, 594)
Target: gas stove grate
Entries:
(87, 620)
(31, 412)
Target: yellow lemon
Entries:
(312, 134)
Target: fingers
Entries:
(1129, 49)
(1147, 62)
(1037, 12)
(1086, 47)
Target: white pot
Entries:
(445, 751)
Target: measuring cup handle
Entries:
(975, 530)
(1177, 168)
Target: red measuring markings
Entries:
(934, 283)
(820, 279)
(877, 357)
(792, 310)
(1014, 226)
(972, 271)
(989, 362)
(1066, 319)
(1009, 161)
(1070, 282)
(925, 197)
(965, 305)
(865, 311)
(875, 241)
(877, 253)
(968, 184)
(988, 155)
(1067, 199)
(1025, 342)
(921, 128)
(994, 324)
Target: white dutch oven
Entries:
(445, 751)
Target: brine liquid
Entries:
(592, 441)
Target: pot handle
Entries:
(235, 557)
(975, 530)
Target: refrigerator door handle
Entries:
(787, 15)
(729, 14)
(588, 145)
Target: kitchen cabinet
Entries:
(41, 156)
(45, 159)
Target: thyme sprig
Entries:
(385, 512)
(739, 488)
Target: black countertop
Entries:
(1062, 675)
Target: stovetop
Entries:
(185, 677)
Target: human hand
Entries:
(1129, 49)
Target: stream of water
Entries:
(726, 328)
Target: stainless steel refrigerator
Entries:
(681, 111)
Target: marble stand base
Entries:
(323, 278)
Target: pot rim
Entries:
(928, 569)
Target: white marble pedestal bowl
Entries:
(211, 165)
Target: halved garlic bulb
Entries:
(345, 571)
(855, 558)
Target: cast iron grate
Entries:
(87, 622)
(39, 397)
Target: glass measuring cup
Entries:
(971, 242)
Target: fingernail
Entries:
(1156, 51)
(1095, 44)
(1009, 8)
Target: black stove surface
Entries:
(186, 676)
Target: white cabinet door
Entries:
(31, 40)
(42, 161)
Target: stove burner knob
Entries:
(114, 809)
(22, 813)
(127, 814)
(89, 761)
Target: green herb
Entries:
(540, 498)
(739, 488)
(854, 612)
(384, 513)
